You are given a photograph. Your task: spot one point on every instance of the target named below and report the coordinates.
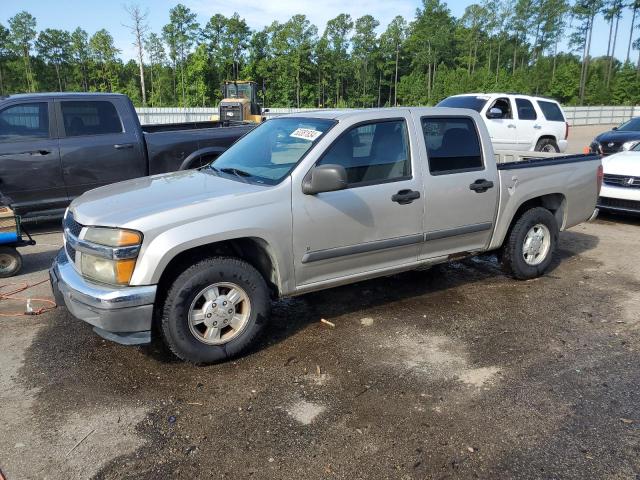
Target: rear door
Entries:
(529, 125)
(373, 224)
(30, 170)
(461, 186)
(97, 145)
(504, 130)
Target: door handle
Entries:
(481, 185)
(404, 197)
(39, 152)
(537, 127)
(511, 125)
(122, 146)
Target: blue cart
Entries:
(11, 237)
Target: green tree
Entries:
(337, 37)
(5, 52)
(80, 54)
(22, 28)
(180, 34)
(104, 52)
(54, 46)
(157, 58)
(139, 28)
(364, 50)
(391, 42)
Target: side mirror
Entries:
(265, 110)
(614, 128)
(325, 178)
(494, 113)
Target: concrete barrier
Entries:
(576, 116)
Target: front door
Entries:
(30, 170)
(503, 130)
(461, 189)
(375, 223)
(96, 146)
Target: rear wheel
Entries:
(529, 247)
(548, 145)
(10, 262)
(215, 310)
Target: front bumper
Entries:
(120, 314)
(619, 199)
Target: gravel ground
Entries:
(454, 372)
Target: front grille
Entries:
(69, 223)
(230, 113)
(74, 228)
(621, 180)
(619, 204)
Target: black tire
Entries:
(175, 328)
(10, 262)
(513, 260)
(547, 145)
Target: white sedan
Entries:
(621, 185)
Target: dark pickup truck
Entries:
(56, 146)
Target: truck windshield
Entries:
(466, 101)
(269, 152)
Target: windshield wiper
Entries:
(237, 172)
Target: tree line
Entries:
(496, 45)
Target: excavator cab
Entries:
(240, 102)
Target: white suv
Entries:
(518, 122)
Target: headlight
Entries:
(112, 237)
(630, 144)
(108, 255)
(115, 272)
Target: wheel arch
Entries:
(556, 203)
(254, 250)
(208, 152)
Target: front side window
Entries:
(453, 145)
(23, 122)
(83, 118)
(525, 109)
(504, 105)
(269, 152)
(372, 153)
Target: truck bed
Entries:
(172, 127)
(511, 159)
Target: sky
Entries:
(93, 15)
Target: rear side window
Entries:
(375, 152)
(525, 109)
(90, 118)
(551, 111)
(26, 121)
(453, 145)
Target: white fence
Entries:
(575, 115)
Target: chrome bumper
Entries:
(120, 314)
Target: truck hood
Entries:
(174, 195)
(618, 136)
(623, 163)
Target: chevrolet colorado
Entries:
(307, 202)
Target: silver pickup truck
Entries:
(307, 202)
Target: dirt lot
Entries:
(455, 372)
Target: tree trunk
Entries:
(489, 59)
(379, 88)
(610, 34)
(515, 49)
(555, 55)
(395, 82)
(1, 82)
(613, 51)
(633, 20)
(58, 76)
(586, 60)
(498, 62)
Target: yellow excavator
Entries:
(240, 102)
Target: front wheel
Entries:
(215, 310)
(529, 247)
(10, 262)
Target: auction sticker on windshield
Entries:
(305, 134)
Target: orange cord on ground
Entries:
(25, 286)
